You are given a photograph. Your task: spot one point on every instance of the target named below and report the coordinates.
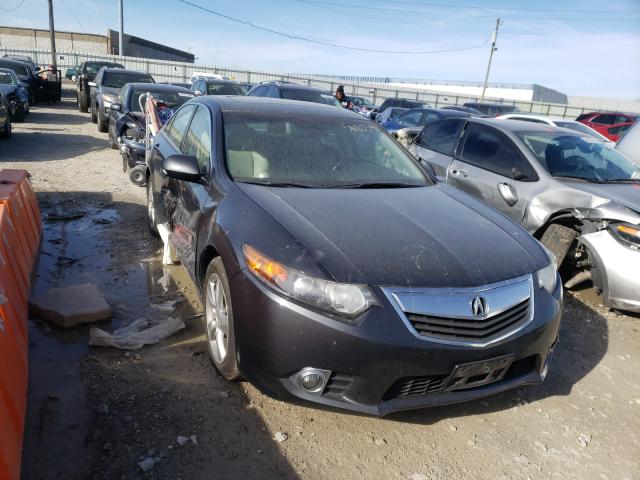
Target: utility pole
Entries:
(52, 35)
(121, 34)
(494, 38)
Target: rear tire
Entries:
(218, 318)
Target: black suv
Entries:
(105, 89)
(293, 91)
(401, 103)
(210, 86)
(87, 73)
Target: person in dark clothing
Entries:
(342, 98)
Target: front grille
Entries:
(412, 386)
(337, 385)
(463, 329)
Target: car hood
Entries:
(625, 194)
(423, 237)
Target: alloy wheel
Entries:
(217, 319)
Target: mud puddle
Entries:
(78, 246)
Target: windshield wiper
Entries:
(276, 184)
(623, 180)
(590, 180)
(376, 185)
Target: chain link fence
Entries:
(169, 71)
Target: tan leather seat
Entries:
(247, 164)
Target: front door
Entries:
(192, 198)
(488, 166)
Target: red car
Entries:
(609, 124)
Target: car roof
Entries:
(159, 87)
(520, 126)
(123, 70)
(8, 70)
(296, 86)
(439, 111)
(10, 61)
(215, 81)
(239, 103)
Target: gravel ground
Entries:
(96, 413)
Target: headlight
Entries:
(344, 299)
(626, 233)
(547, 276)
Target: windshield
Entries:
(315, 151)
(119, 79)
(580, 127)
(91, 68)
(7, 79)
(307, 96)
(172, 99)
(21, 70)
(361, 102)
(580, 157)
(225, 89)
(330, 100)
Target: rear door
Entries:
(489, 166)
(192, 197)
(437, 142)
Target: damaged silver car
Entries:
(578, 196)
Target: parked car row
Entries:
(412, 277)
(22, 84)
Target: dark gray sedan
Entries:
(334, 270)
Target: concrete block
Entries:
(67, 307)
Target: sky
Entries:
(587, 48)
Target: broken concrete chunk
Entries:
(67, 307)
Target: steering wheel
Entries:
(577, 164)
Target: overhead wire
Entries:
(12, 9)
(84, 30)
(330, 44)
(390, 9)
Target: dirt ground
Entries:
(94, 413)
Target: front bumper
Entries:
(618, 267)
(277, 338)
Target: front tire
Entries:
(138, 176)
(103, 125)
(218, 318)
(83, 103)
(94, 114)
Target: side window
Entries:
(410, 119)
(442, 136)
(197, 142)
(489, 149)
(622, 119)
(178, 125)
(272, 92)
(428, 117)
(604, 119)
(259, 92)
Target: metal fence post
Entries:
(437, 100)
(564, 114)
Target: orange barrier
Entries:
(20, 227)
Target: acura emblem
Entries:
(479, 307)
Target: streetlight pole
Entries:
(52, 36)
(121, 34)
(494, 39)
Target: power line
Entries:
(12, 9)
(328, 44)
(515, 9)
(106, 24)
(74, 16)
(423, 12)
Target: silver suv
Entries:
(580, 197)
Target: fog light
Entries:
(312, 380)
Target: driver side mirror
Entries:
(183, 167)
(198, 93)
(115, 107)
